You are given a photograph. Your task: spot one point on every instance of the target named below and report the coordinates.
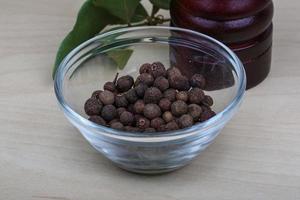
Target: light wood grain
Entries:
(42, 156)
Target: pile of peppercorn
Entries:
(159, 100)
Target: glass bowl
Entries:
(90, 65)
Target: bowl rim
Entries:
(200, 128)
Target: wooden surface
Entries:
(42, 156)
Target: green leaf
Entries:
(140, 14)
(123, 9)
(163, 4)
(120, 57)
(90, 21)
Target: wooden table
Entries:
(42, 156)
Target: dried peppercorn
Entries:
(180, 83)
(195, 111)
(207, 101)
(173, 71)
(165, 104)
(183, 96)
(158, 69)
(157, 122)
(139, 106)
(124, 83)
(121, 101)
(206, 115)
(109, 112)
(171, 126)
(146, 68)
(110, 86)
(93, 107)
(170, 94)
(120, 111)
(117, 126)
(131, 96)
(168, 117)
(152, 95)
(186, 121)
(96, 94)
(196, 95)
(140, 89)
(152, 111)
(161, 83)
(145, 78)
(127, 118)
(107, 97)
(131, 129)
(179, 108)
(143, 123)
(98, 120)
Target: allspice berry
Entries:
(179, 108)
(110, 86)
(152, 95)
(198, 81)
(167, 116)
(127, 118)
(157, 122)
(196, 95)
(183, 96)
(109, 112)
(158, 69)
(140, 89)
(98, 120)
(93, 107)
(124, 83)
(180, 83)
(120, 111)
(152, 111)
(173, 71)
(195, 111)
(131, 129)
(121, 101)
(143, 123)
(161, 83)
(146, 68)
(139, 106)
(96, 94)
(186, 121)
(117, 126)
(131, 96)
(145, 78)
(206, 115)
(165, 104)
(170, 94)
(171, 126)
(107, 97)
(207, 101)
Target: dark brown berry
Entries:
(107, 97)
(117, 125)
(198, 80)
(152, 111)
(140, 89)
(152, 95)
(127, 118)
(142, 123)
(157, 122)
(196, 95)
(113, 121)
(93, 107)
(165, 104)
(125, 83)
(183, 96)
(131, 96)
(158, 69)
(96, 94)
(173, 71)
(208, 101)
(168, 117)
(109, 112)
(170, 94)
(179, 108)
(161, 83)
(180, 83)
(146, 68)
(206, 115)
(110, 86)
(195, 111)
(98, 120)
(186, 121)
(145, 78)
(120, 111)
(121, 101)
(162, 128)
(131, 129)
(149, 130)
(171, 126)
(130, 108)
(139, 106)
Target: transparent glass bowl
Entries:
(89, 66)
